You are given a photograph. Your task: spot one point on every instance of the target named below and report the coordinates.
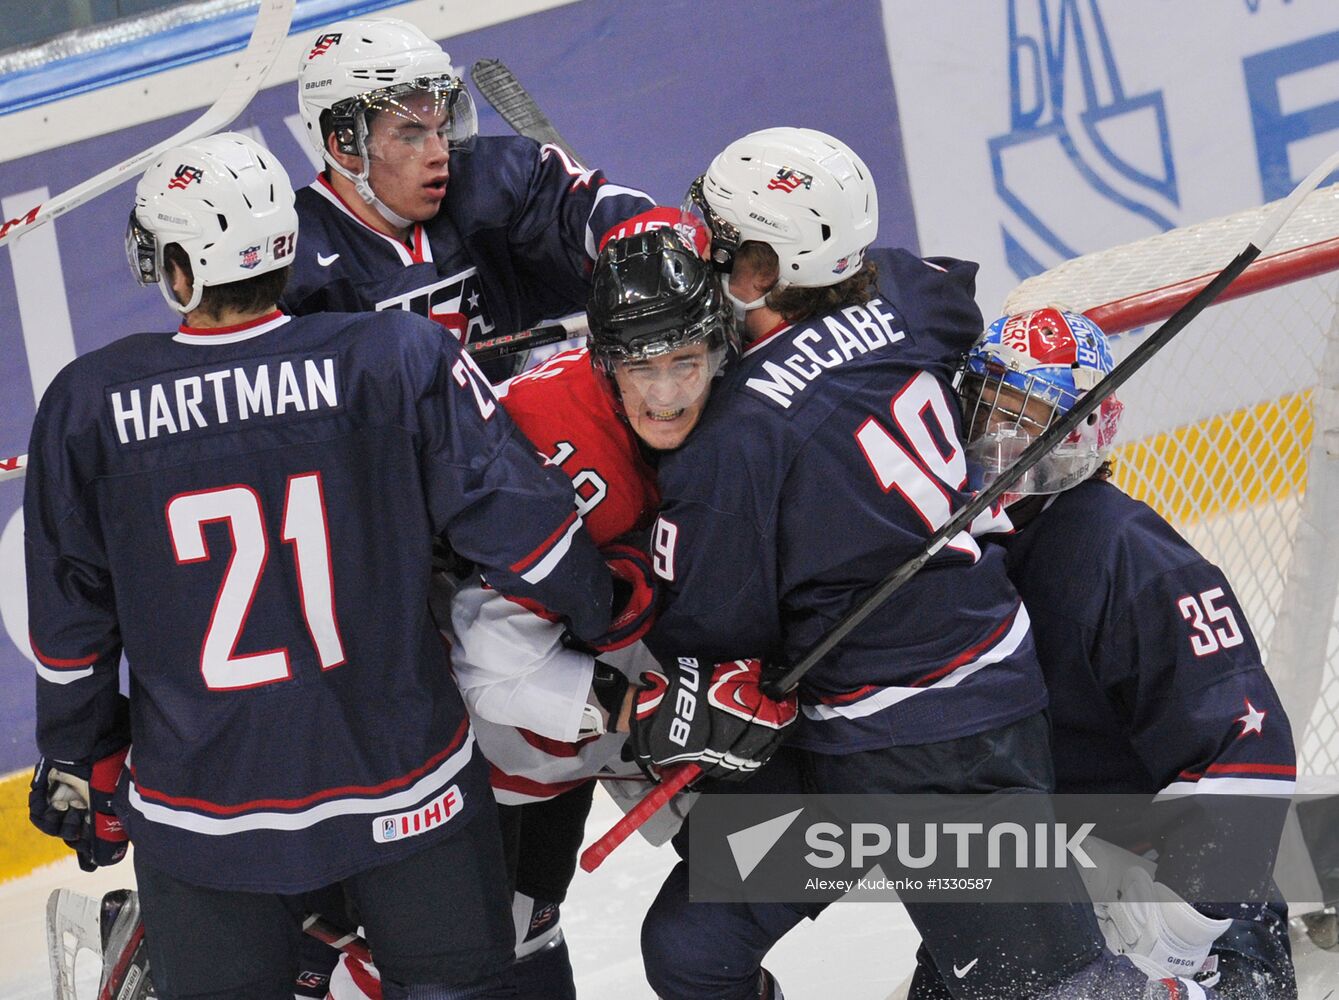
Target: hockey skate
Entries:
(109, 928)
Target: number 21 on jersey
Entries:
(305, 529)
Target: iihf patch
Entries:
(401, 826)
(250, 257)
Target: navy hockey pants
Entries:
(439, 917)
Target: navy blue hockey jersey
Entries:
(247, 513)
(1155, 678)
(824, 459)
(512, 244)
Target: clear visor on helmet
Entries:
(413, 119)
(142, 252)
(1003, 420)
(724, 235)
(672, 379)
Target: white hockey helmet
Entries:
(805, 194)
(226, 201)
(369, 64)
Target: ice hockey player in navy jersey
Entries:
(1155, 679)
(244, 508)
(841, 415)
(485, 235)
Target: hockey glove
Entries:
(712, 715)
(636, 591)
(1156, 929)
(74, 802)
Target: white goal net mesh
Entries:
(1232, 431)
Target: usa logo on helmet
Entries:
(787, 179)
(250, 257)
(184, 176)
(323, 45)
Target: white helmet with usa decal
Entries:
(355, 69)
(226, 201)
(805, 194)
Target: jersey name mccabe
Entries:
(817, 350)
(211, 399)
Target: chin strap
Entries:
(365, 192)
(742, 308)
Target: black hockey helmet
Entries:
(652, 293)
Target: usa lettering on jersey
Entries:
(455, 302)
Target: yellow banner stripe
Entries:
(22, 846)
(1222, 464)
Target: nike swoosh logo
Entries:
(965, 969)
(326, 261)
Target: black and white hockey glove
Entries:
(714, 715)
(74, 802)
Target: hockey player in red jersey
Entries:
(485, 235)
(841, 412)
(245, 509)
(547, 714)
(1155, 678)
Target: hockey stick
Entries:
(266, 37)
(13, 467)
(504, 92)
(352, 944)
(568, 328)
(775, 687)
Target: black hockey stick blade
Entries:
(515, 343)
(504, 92)
(1054, 435)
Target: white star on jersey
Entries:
(1253, 721)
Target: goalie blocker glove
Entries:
(712, 715)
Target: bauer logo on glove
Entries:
(712, 715)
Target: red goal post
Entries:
(1232, 431)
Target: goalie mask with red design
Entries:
(1024, 373)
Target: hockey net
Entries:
(1232, 431)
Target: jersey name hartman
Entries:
(201, 402)
(817, 350)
